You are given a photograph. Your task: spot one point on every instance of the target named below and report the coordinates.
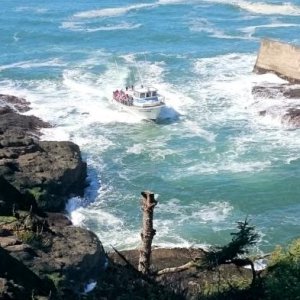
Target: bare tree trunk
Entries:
(148, 204)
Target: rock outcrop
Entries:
(49, 171)
(41, 253)
(65, 255)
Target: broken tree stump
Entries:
(147, 234)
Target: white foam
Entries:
(136, 149)
(202, 25)
(111, 12)
(79, 26)
(89, 287)
(55, 62)
(250, 30)
(196, 212)
(259, 264)
(168, 2)
(73, 208)
(15, 37)
(194, 129)
(264, 8)
(269, 9)
(38, 10)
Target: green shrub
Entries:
(7, 219)
(283, 274)
(56, 278)
(37, 192)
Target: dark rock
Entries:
(292, 117)
(11, 291)
(47, 171)
(280, 90)
(16, 103)
(262, 113)
(73, 255)
(13, 269)
(5, 110)
(57, 219)
(37, 175)
(276, 91)
(29, 124)
(11, 199)
(50, 174)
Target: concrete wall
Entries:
(280, 58)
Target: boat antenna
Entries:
(138, 69)
(117, 67)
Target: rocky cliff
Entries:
(41, 253)
(48, 171)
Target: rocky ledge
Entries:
(42, 256)
(48, 171)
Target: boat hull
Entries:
(146, 113)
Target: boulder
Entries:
(18, 279)
(69, 256)
(15, 103)
(48, 171)
(11, 199)
(292, 117)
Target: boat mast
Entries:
(138, 69)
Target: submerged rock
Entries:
(292, 117)
(14, 103)
(276, 91)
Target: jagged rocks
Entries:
(48, 171)
(291, 115)
(45, 250)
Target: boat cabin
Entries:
(143, 93)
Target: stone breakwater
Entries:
(41, 253)
(281, 59)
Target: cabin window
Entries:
(148, 94)
(142, 95)
(154, 94)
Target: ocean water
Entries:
(211, 159)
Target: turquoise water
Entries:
(210, 158)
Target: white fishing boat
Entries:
(142, 101)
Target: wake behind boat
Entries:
(143, 101)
